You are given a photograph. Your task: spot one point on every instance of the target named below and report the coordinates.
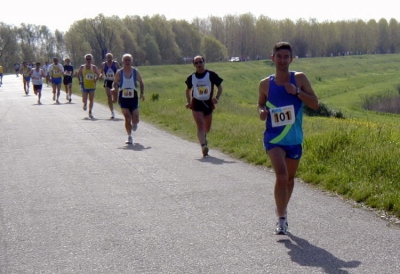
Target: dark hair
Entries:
(198, 56)
(282, 45)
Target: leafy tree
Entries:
(76, 45)
(384, 39)
(371, 39)
(246, 31)
(394, 36)
(187, 38)
(213, 50)
(217, 28)
(165, 38)
(9, 48)
(153, 55)
(232, 35)
(267, 35)
(137, 28)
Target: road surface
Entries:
(75, 199)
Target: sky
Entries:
(60, 15)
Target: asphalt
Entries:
(75, 199)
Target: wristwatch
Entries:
(298, 90)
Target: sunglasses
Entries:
(199, 62)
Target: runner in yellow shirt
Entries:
(88, 75)
(56, 71)
(25, 76)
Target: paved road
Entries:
(75, 199)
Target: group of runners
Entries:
(54, 74)
(121, 84)
(281, 99)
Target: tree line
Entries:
(155, 40)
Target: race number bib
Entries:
(110, 76)
(89, 76)
(128, 93)
(202, 93)
(282, 116)
(56, 73)
(202, 90)
(68, 73)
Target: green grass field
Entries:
(356, 157)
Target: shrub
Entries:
(323, 111)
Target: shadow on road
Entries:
(101, 119)
(215, 160)
(135, 146)
(306, 254)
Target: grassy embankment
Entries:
(356, 157)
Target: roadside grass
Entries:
(356, 157)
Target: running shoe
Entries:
(281, 226)
(134, 127)
(70, 99)
(204, 149)
(57, 102)
(112, 115)
(90, 115)
(84, 107)
(129, 141)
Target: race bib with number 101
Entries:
(282, 116)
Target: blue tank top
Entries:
(285, 119)
(110, 71)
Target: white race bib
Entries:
(202, 93)
(128, 93)
(282, 116)
(89, 76)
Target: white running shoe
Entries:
(90, 115)
(281, 226)
(112, 115)
(129, 141)
(134, 127)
